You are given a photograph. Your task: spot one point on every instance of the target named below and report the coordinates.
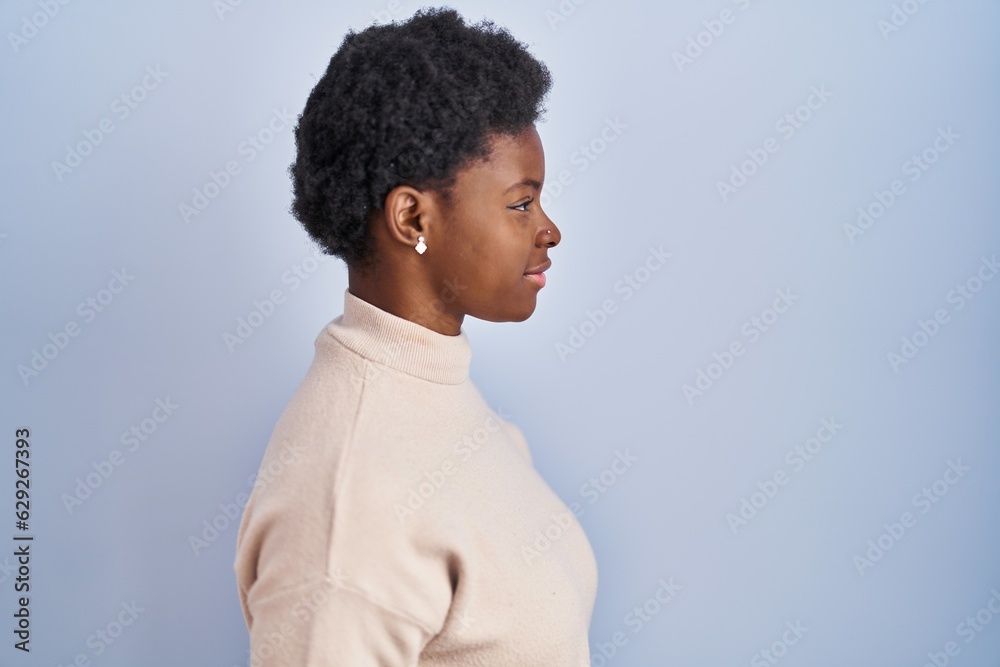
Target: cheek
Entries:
(512, 255)
(490, 249)
(494, 249)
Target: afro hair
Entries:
(406, 103)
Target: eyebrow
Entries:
(528, 181)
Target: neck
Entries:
(410, 297)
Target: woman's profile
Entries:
(401, 521)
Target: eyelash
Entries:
(518, 207)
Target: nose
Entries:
(549, 234)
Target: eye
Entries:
(521, 207)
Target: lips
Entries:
(541, 267)
(537, 278)
(537, 274)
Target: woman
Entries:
(397, 519)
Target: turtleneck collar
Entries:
(400, 344)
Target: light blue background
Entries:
(655, 184)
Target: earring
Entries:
(421, 246)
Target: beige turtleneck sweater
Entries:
(397, 519)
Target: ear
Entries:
(409, 213)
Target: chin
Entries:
(525, 312)
(510, 313)
(522, 317)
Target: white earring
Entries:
(421, 246)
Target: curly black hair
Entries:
(405, 103)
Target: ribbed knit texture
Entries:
(397, 519)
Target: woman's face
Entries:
(494, 232)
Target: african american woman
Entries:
(397, 519)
